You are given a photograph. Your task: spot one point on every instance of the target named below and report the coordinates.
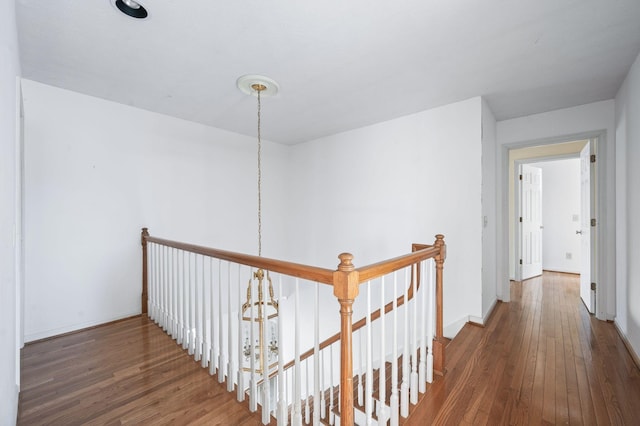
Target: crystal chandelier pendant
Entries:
(260, 349)
(260, 326)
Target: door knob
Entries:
(579, 232)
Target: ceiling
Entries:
(340, 64)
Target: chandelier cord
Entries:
(259, 181)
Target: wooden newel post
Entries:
(145, 276)
(345, 288)
(439, 342)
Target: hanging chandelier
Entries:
(259, 316)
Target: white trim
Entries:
(449, 331)
(483, 321)
(18, 229)
(62, 330)
(627, 343)
(489, 312)
(604, 221)
(562, 271)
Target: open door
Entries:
(587, 228)
(531, 221)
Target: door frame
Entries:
(604, 265)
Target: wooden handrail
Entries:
(379, 269)
(419, 251)
(311, 273)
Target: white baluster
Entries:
(362, 361)
(230, 363)
(369, 379)
(180, 296)
(152, 282)
(174, 294)
(316, 357)
(208, 308)
(163, 294)
(185, 300)
(323, 401)
(266, 397)
(240, 388)
(289, 388)
(165, 302)
(430, 323)
(253, 400)
(296, 418)
(193, 277)
(414, 341)
(201, 322)
(307, 413)
(282, 402)
(212, 312)
(331, 386)
(422, 379)
(383, 411)
(222, 359)
(170, 291)
(404, 388)
(158, 314)
(394, 402)
(196, 322)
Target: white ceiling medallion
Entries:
(251, 84)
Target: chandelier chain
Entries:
(259, 181)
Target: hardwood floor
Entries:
(129, 372)
(541, 359)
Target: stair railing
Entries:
(189, 291)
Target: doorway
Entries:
(527, 232)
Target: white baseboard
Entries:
(454, 328)
(38, 335)
(627, 343)
(561, 270)
(450, 330)
(483, 321)
(14, 414)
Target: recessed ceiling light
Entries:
(132, 8)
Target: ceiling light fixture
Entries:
(132, 8)
(259, 317)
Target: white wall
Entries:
(375, 190)
(489, 206)
(561, 215)
(96, 172)
(563, 125)
(628, 207)
(9, 216)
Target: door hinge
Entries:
(520, 219)
(520, 177)
(593, 158)
(521, 261)
(593, 222)
(593, 286)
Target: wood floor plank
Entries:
(541, 359)
(561, 364)
(132, 374)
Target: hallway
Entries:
(541, 359)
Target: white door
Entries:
(588, 232)
(531, 218)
